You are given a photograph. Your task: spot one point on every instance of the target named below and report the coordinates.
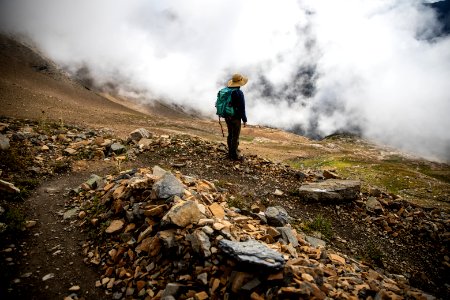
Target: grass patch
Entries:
(320, 224)
(247, 138)
(62, 166)
(373, 254)
(321, 163)
(15, 220)
(411, 179)
(236, 201)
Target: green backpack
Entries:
(223, 103)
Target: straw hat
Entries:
(237, 80)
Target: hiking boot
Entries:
(237, 158)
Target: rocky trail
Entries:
(168, 217)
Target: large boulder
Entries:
(332, 190)
(253, 253)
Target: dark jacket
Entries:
(238, 102)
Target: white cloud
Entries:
(373, 63)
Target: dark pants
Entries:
(234, 129)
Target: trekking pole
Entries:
(221, 127)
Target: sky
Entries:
(380, 68)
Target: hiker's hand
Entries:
(245, 124)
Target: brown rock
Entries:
(140, 285)
(183, 214)
(115, 226)
(215, 285)
(157, 211)
(238, 280)
(217, 210)
(119, 192)
(151, 245)
(336, 259)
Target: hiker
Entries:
(234, 122)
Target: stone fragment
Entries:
(238, 279)
(48, 276)
(118, 148)
(201, 296)
(70, 151)
(74, 288)
(4, 142)
(253, 253)
(158, 171)
(183, 214)
(332, 190)
(288, 236)
(8, 187)
(218, 226)
(145, 143)
(278, 192)
(139, 134)
(70, 213)
(251, 285)
(203, 278)
(30, 223)
(200, 242)
(374, 205)
(115, 226)
(276, 216)
(315, 242)
(328, 174)
(208, 230)
(168, 186)
(203, 222)
(171, 290)
(273, 232)
(157, 211)
(336, 259)
(168, 238)
(217, 210)
(151, 245)
(94, 181)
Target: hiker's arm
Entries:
(242, 107)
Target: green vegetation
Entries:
(236, 201)
(26, 185)
(373, 254)
(320, 224)
(15, 220)
(61, 166)
(415, 180)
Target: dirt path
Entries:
(52, 247)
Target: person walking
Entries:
(234, 122)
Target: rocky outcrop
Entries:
(196, 246)
(332, 190)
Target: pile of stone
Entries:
(51, 145)
(163, 235)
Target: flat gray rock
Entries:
(332, 190)
(253, 253)
(276, 216)
(118, 148)
(168, 186)
(139, 134)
